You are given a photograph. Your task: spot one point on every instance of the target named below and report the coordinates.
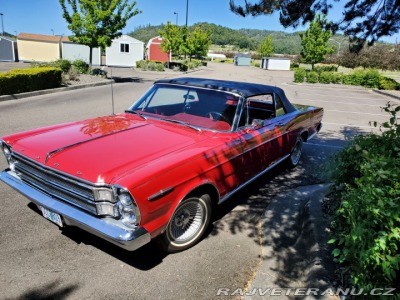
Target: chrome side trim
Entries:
(161, 194)
(252, 179)
(315, 132)
(106, 228)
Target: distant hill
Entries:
(240, 39)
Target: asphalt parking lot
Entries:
(38, 260)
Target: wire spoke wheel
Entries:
(294, 157)
(188, 224)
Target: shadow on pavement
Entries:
(50, 291)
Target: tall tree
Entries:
(97, 23)
(172, 38)
(315, 42)
(362, 19)
(198, 42)
(266, 47)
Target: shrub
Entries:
(312, 77)
(81, 66)
(99, 72)
(299, 75)
(366, 227)
(336, 77)
(63, 64)
(325, 77)
(319, 68)
(386, 83)
(294, 65)
(150, 65)
(32, 79)
(371, 79)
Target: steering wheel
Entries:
(214, 115)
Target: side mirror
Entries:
(257, 123)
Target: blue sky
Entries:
(43, 16)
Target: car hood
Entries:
(100, 149)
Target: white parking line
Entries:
(348, 125)
(347, 103)
(323, 145)
(355, 112)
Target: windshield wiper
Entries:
(182, 123)
(136, 113)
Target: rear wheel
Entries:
(294, 158)
(188, 224)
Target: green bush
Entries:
(299, 75)
(294, 65)
(32, 79)
(312, 77)
(150, 65)
(326, 77)
(81, 66)
(386, 83)
(366, 227)
(336, 77)
(63, 64)
(319, 68)
(371, 79)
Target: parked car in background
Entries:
(159, 169)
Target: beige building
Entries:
(38, 47)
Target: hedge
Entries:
(367, 78)
(27, 80)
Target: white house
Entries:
(275, 63)
(8, 49)
(124, 51)
(73, 51)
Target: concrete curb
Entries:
(51, 91)
(385, 93)
(294, 246)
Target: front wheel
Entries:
(187, 225)
(294, 158)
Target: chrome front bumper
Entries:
(106, 228)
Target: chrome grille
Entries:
(54, 184)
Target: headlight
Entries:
(6, 149)
(128, 209)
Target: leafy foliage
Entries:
(172, 38)
(266, 47)
(180, 40)
(367, 224)
(299, 75)
(97, 23)
(363, 19)
(63, 64)
(31, 79)
(315, 42)
(81, 66)
(312, 77)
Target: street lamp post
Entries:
(52, 31)
(175, 13)
(187, 7)
(2, 24)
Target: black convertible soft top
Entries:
(244, 89)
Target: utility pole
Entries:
(2, 24)
(175, 13)
(187, 7)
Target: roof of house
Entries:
(42, 37)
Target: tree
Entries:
(362, 19)
(266, 48)
(97, 23)
(198, 42)
(172, 38)
(315, 42)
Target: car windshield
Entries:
(195, 107)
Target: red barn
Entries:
(154, 52)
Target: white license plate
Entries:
(52, 216)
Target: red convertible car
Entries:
(162, 166)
